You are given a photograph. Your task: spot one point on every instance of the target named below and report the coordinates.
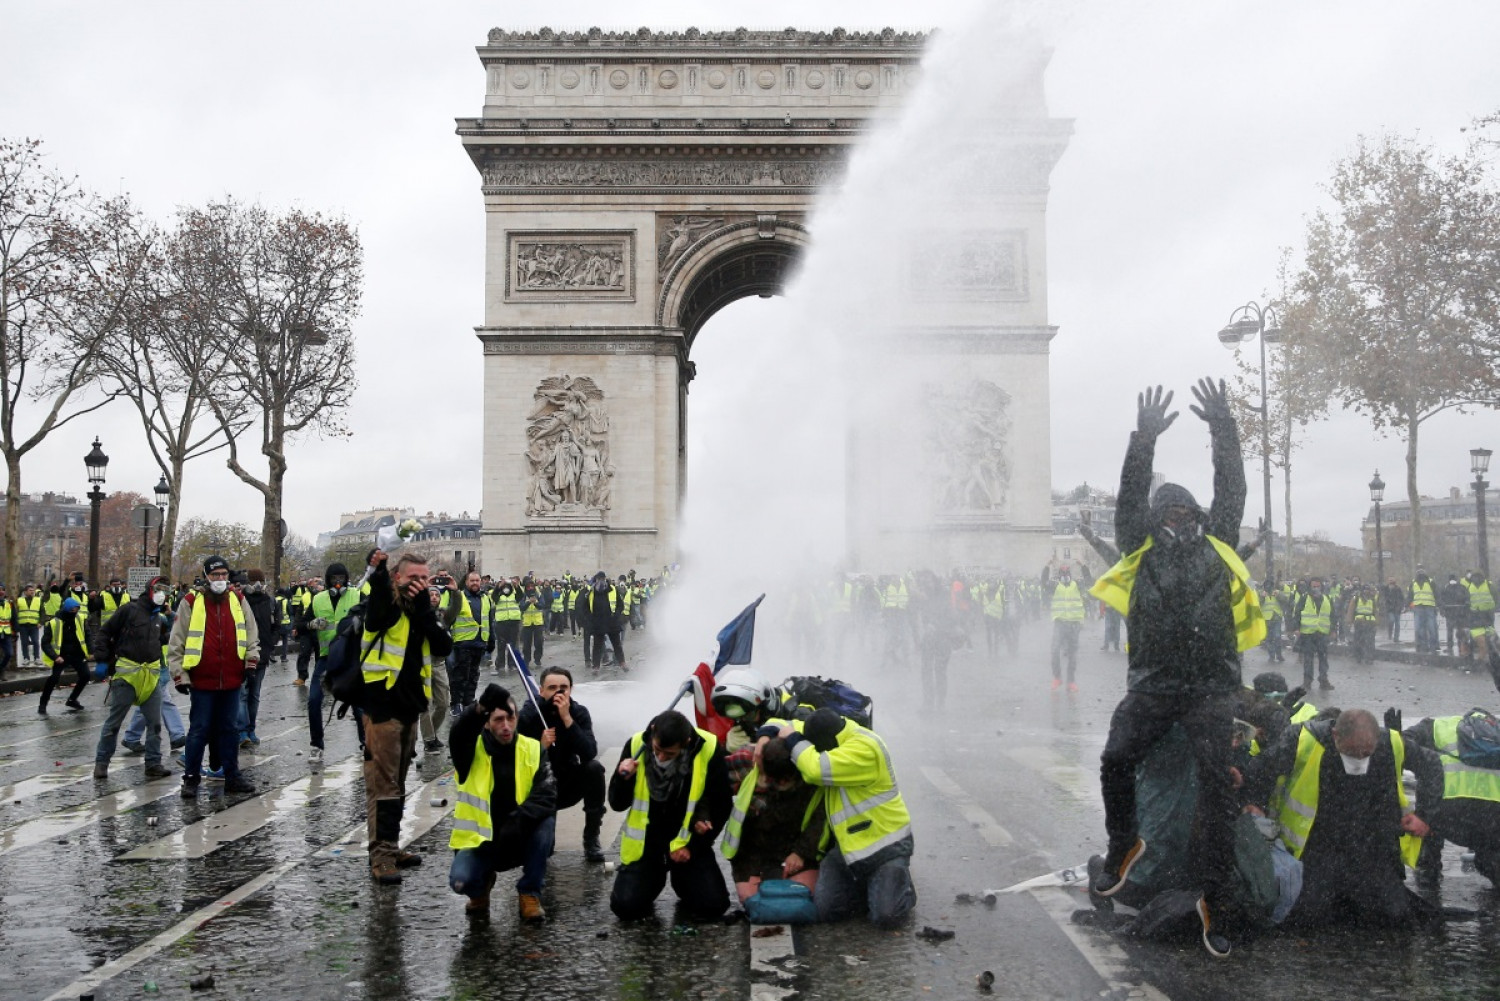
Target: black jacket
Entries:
(1182, 638)
(137, 631)
(263, 607)
(664, 819)
(575, 745)
(407, 699)
(598, 618)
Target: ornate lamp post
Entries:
(1244, 323)
(1480, 464)
(96, 461)
(1377, 494)
(163, 493)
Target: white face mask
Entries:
(1355, 766)
(160, 597)
(218, 586)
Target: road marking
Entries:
(46, 781)
(978, 816)
(182, 929)
(206, 836)
(769, 957)
(1075, 780)
(47, 736)
(62, 822)
(1101, 952)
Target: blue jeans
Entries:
(170, 717)
(886, 894)
(1427, 630)
(119, 700)
(213, 716)
(250, 700)
(471, 867)
(315, 707)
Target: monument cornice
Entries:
(541, 340)
(967, 340)
(736, 40)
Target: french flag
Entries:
(732, 646)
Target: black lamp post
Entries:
(96, 461)
(1481, 465)
(1377, 494)
(1244, 323)
(163, 493)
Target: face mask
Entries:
(505, 590)
(1355, 766)
(218, 586)
(160, 597)
(257, 587)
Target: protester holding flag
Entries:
(734, 645)
(672, 779)
(566, 732)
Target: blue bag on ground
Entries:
(781, 902)
(1479, 739)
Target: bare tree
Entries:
(1398, 297)
(68, 266)
(279, 293)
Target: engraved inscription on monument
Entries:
(567, 451)
(985, 265)
(564, 267)
(968, 426)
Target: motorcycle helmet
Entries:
(741, 693)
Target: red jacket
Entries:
(220, 669)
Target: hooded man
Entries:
(1453, 603)
(133, 638)
(214, 642)
(602, 610)
(65, 644)
(326, 611)
(1190, 611)
(263, 607)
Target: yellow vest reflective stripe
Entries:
(1113, 588)
(192, 649)
(28, 610)
(1364, 610)
(142, 677)
(877, 819)
(506, 608)
(383, 654)
(896, 596)
(1481, 598)
(472, 825)
(532, 615)
(1316, 614)
(111, 605)
(633, 837)
(465, 627)
(730, 845)
(7, 609)
(1422, 596)
(56, 628)
(1462, 781)
(1067, 603)
(1300, 806)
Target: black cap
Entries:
(823, 728)
(214, 563)
(1270, 683)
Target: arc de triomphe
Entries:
(634, 183)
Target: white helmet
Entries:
(741, 692)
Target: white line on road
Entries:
(1075, 780)
(47, 736)
(46, 781)
(1106, 957)
(768, 956)
(55, 825)
(995, 835)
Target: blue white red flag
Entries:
(733, 646)
(527, 681)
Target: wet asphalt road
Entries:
(1002, 785)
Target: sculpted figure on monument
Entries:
(567, 453)
(967, 434)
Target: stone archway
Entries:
(636, 183)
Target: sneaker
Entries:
(134, 746)
(157, 772)
(1056, 684)
(455, 712)
(1325, 685)
(1216, 942)
(315, 757)
(252, 738)
(531, 908)
(74, 707)
(214, 774)
(1117, 870)
(238, 784)
(246, 744)
(433, 745)
(178, 743)
(385, 873)
(181, 760)
(1072, 688)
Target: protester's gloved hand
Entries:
(1151, 412)
(1294, 697)
(1393, 718)
(101, 671)
(492, 698)
(1213, 402)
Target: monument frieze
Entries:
(670, 172)
(548, 266)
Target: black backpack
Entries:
(1479, 739)
(808, 693)
(343, 680)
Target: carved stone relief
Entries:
(558, 267)
(986, 265)
(567, 450)
(968, 427)
(676, 172)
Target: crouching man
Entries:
(505, 814)
(672, 779)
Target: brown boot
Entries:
(480, 906)
(531, 909)
(385, 873)
(407, 860)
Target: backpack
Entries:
(781, 902)
(808, 693)
(1479, 739)
(343, 681)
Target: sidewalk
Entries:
(19, 680)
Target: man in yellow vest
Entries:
(1067, 623)
(1481, 614)
(603, 607)
(505, 807)
(64, 645)
(1422, 596)
(507, 628)
(672, 781)
(1344, 813)
(29, 620)
(468, 616)
(1190, 611)
(133, 639)
(1469, 815)
(7, 630)
(1363, 615)
(214, 642)
(1314, 618)
(328, 609)
(401, 643)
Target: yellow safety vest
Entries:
(1461, 781)
(1421, 595)
(730, 846)
(7, 609)
(1481, 598)
(1067, 603)
(111, 604)
(1300, 807)
(571, 599)
(559, 603)
(625, 599)
(994, 605)
(531, 615)
(1113, 588)
(324, 608)
(1270, 609)
(1364, 610)
(382, 655)
(192, 650)
(865, 810)
(52, 605)
(56, 627)
(29, 610)
(506, 608)
(465, 627)
(142, 677)
(633, 838)
(1319, 620)
(472, 825)
(896, 596)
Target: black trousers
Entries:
(596, 648)
(698, 883)
(584, 785)
(532, 639)
(1368, 895)
(1140, 721)
(305, 645)
(507, 631)
(463, 680)
(58, 666)
(1314, 645)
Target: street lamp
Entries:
(1377, 494)
(96, 461)
(1244, 323)
(1480, 464)
(163, 493)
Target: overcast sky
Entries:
(1202, 135)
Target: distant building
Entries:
(54, 536)
(1450, 533)
(360, 528)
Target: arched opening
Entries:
(759, 268)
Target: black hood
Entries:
(335, 570)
